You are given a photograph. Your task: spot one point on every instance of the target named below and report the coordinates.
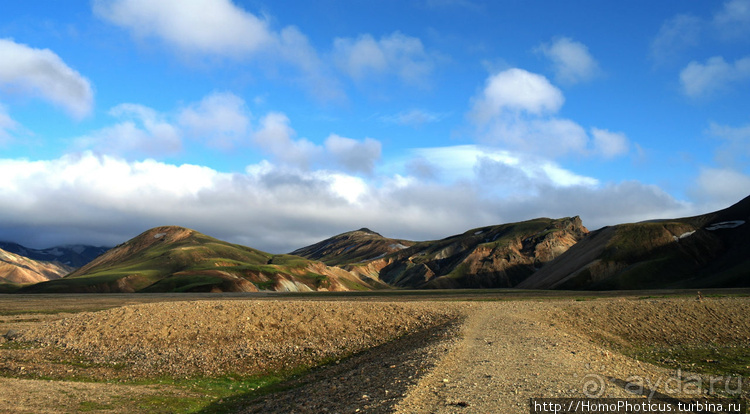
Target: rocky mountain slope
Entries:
(494, 256)
(176, 259)
(71, 255)
(488, 257)
(361, 245)
(18, 269)
(710, 250)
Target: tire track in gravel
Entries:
(513, 351)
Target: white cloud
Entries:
(220, 119)
(276, 136)
(720, 187)
(571, 60)
(277, 208)
(206, 26)
(472, 162)
(220, 28)
(609, 144)
(733, 20)
(517, 110)
(413, 117)
(675, 35)
(353, 155)
(40, 72)
(141, 131)
(516, 90)
(398, 54)
(716, 75)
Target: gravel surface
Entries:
(451, 357)
(213, 338)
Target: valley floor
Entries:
(472, 356)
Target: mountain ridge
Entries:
(708, 250)
(74, 255)
(17, 269)
(172, 258)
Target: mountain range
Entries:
(710, 250)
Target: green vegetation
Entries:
(87, 406)
(10, 287)
(708, 359)
(188, 262)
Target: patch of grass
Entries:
(47, 311)
(182, 283)
(18, 345)
(459, 272)
(86, 406)
(161, 404)
(214, 395)
(709, 360)
(10, 287)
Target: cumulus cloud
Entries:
(220, 119)
(571, 60)
(141, 131)
(42, 73)
(398, 54)
(716, 75)
(353, 155)
(220, 28)
(205, 26)
(516, 90)
(277, 137)
(609, 144)
(675, 35)
(517, 110)
(97, 199)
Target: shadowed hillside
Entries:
(494, 256)
(710, 250)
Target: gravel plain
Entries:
(385, 356)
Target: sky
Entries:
(279, 124)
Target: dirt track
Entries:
(500, 355)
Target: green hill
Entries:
(176, 259)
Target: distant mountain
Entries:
(18, 269)
(352, 247)
(176, 259)
(494, 256)
(710, 250)
(71, 255)
(488, 257)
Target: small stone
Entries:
(12, 334)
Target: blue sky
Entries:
(277, 124)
